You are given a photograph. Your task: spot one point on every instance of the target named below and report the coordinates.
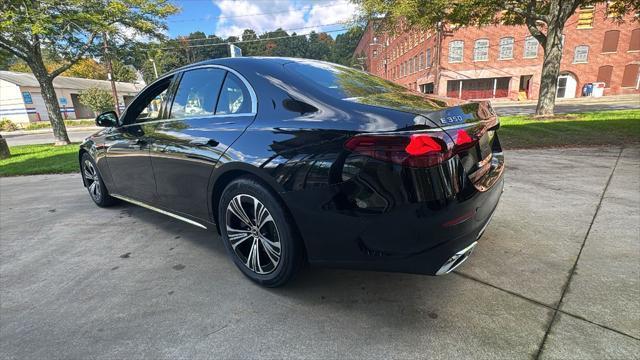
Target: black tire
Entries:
(276, 226)
(90, 174)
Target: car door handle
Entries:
(204, 142)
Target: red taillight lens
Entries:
(463, 138)
(421, 144)
(412, 150)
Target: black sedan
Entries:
(293, 160)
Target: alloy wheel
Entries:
(253, 234)
(92, 180)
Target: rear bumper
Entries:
(409, 235)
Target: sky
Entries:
(230, 17)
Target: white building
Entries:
(21, 99)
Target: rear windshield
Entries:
(354, 85)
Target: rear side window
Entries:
(197, 93)
(234, 97)
(354, 85)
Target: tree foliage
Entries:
(96, 99)
(545, 20)
(197, 46)
(69, 30)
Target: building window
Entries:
(585, 17)
(610, 43)
(481, 50)
(530, 47)
(581, 54)
(375, 54)
(421, 61)
(456, 51)
(411, 66)
(634, 44)
(604, 75)
(506, 48)
(630, 76)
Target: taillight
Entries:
(424, 149)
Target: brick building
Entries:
(501, 61)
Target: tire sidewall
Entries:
(104, 194)
(289, 246)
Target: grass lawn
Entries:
(40, 159)
(614, 127)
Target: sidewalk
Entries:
(613, 99)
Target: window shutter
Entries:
(634, 44)
(610, 43)
(604, 75)
(630, 76)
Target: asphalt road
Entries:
(78, 281)
(22, 138)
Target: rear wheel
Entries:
(93, 182)
(258, 233)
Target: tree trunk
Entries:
(51, 102)
(550, 72)
(4, 148)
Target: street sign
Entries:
(234, 51)
(27, 97)
(63, 101)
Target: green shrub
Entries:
(97, 100)
(7, 125)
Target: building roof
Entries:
(66, 82)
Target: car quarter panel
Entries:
(352, 210)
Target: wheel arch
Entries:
(224, 175)
(228, 172)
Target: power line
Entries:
(247, 41)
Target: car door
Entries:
(128, 145)
(211, 106)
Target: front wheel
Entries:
(258, 233)
(93, 182)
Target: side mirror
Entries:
(107, 119)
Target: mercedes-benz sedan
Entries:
(293, 160)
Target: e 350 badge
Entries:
(451, 119)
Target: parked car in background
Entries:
(294, 160)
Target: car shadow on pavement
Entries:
(394, 300)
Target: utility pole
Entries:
(114, 92)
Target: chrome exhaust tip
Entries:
(456, 260)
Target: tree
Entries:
(97, 99)
(69, 29)
(545, 20)
(4, 148)
(342, 52)
(122, 72)
(88, 69)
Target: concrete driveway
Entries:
(556, 276)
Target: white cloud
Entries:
(303, 15)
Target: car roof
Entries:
(254, 62)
